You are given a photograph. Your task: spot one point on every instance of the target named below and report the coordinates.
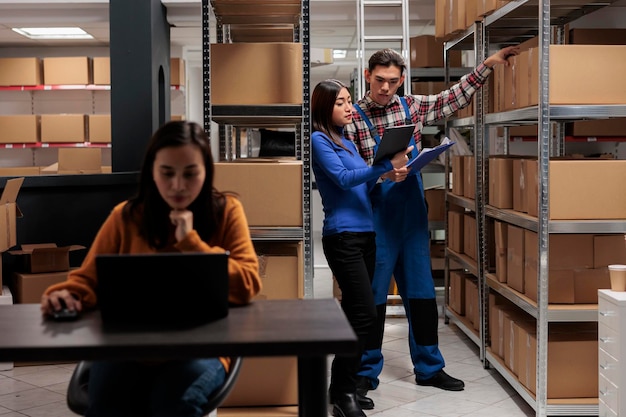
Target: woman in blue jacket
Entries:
(344, 181)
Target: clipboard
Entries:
(426, 155)
(394, 140)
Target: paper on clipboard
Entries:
(426, 155)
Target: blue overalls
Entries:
(403, 250)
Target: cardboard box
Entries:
(455, 230)
(457, 292)
(594, 128)
(472, 313)
(66, 70)
(427, 51)
(63, 128)
(501, 181)
(469, 186)
(80, 161)
(501, 244)
(19, 171)
(20, 71)
(101, 70)
(436, 201)
(579, 189)
(600, 36)
(99, 128)
(266, 73)
(177, 71)
(9, 212)
(265, 381)
(469, 236)
(587, 282)
(572, 364)
(43, 257)
(281, 270)
(605, 64)
(515, 258)
(271, 192)
(458, 174)
(30, 287)
(286, 411)
(23, 128)
(608, 249)
(427, 88)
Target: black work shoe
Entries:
(366, 403)
(346, 405)
(363, 385)
(443, 381)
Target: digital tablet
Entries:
(395, 139)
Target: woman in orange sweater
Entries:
(176, 209)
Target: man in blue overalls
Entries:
(400, 212)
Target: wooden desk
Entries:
(309, 329)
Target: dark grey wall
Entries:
(140, 78)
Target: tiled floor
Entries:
(39, 391)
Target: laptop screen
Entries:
(172, 289)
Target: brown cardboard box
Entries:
(23, 128)
(472, 313)
(80, 161)
(177, 71)
(271, 192)
(469, 187)
(43, 257)
(579, 189)
(427, 87)
(572, 364)
(101, 70)
(66, 70)
(455, 230)
(594, 128)
(603, 36)
(458, 174)
(266, 73)
(608, 249)
(20, 71)
(587, 282)
(469, 236)
(603, 63)
(19, 171)
(265, 381)
(287, 411)
(501, 243)
(99, 126)
(501, 181)
(436, 200)
(515, 258)
(30, 287)
(60, 128)
(427, 51)
(520, 199)
(281, 270)
(9, 212)
(457, 292)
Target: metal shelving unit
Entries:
(515, 22)
(234, 23)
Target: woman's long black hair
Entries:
(150, 211)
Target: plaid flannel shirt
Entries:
(424, 110)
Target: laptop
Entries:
(161, 290)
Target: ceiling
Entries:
(332, 25)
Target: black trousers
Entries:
(352, 258)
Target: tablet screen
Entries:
(395, 139)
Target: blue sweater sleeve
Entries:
(344, 169)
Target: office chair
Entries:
(77, 398)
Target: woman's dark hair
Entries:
(322, 104)
(386, 58)
(148, 209)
